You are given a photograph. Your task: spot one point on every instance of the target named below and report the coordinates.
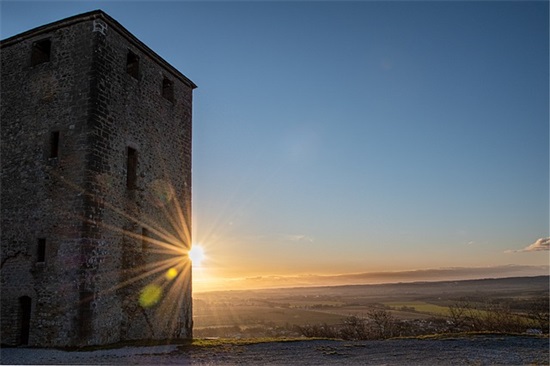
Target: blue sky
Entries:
(341, 137)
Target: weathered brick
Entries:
(88, 288)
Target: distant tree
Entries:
(354, 328)
(317, 330)
(382, 323)
(458, 315)
(539, 313)
(499, 318)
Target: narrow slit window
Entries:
(54, 144)
(41, 51)
(131, 172)
(25, 308)
(132, 64)
(41, 250)
(144, 238)
(85, 313)
(168, 89)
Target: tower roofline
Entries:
(112, 23)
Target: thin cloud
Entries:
(538, 246)
(300, 238)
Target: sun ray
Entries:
(165, 264)
(170, 246)
(173, 222)
(167, 251)
(142, 273)
(186, 228)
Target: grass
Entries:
(217, 316)
(420, 306)
(443, 336)
(132, 343)
(184, 343)
(216, 342)
(204, 343)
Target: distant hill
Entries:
(529, 285)
(269, 312)
(364, 278)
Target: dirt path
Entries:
(478, 350)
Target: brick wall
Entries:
(88, 288)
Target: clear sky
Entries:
(347, 137)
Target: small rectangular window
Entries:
(144, 237)
(168, 89)
(54, 144)
(131, 171)
(41, 250)
(85, 313)
(25, 308)
(41, 51)
(132, 64)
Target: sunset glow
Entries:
(197, 255)
(416, 148)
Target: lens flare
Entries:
(159, 278)
(171, 273)
(161, 192)
(150, 295)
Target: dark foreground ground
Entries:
(472, 350)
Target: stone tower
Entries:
(96, 187)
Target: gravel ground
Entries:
(477, 350)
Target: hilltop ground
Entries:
(500, 305)
(471, 350)
(278, 314)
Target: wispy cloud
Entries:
(298, 237)
(539, 245)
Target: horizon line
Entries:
(378, 278)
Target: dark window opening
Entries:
(131, 171)
(85, 313)
(144, 237)
(54, 144)
(41, 51)
(25, 303)
(132, 64)
(41, 250)
(168, 89)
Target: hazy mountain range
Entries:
(438, 274)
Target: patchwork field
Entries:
(418, 306)
(277, 312)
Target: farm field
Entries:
(252, 315)
(418, 306)
(277, 312)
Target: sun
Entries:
(197, 255)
